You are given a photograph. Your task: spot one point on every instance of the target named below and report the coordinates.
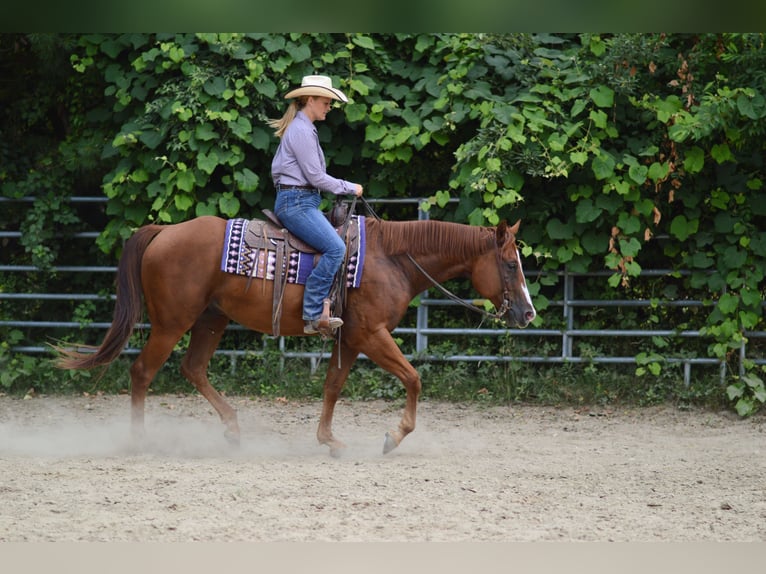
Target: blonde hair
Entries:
(279, 126)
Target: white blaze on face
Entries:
(524, 287)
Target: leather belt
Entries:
(299, 187)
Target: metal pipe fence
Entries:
(564, 337)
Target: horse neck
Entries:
(445, 250)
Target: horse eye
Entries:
(512, 266)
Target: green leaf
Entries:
(753, 381)
(602, 96)
(728, 303)
(183, 201)
(578, 157)
(364, 42)
(603, 166)
(374, 132)
(586, 211)
(682, 228)
(700, 260)
(206, 209)
(598, 118)
(136, 213)
(745, 407)
(609, 203)
(746, 108)
(261, 139)
(577, 107)
(185, 180)
(734, 258)
(564, 254)
(215, 86)
(425, 42)
(558, 230)
(228, 204)
(246, 180)
(694, 160)
(721, 153)
(658, 171)
(241, 128)
(629, 247)
(556, 142)
(476, 217)
(629, 223)
(298, 52)
(750, 297)
(638, 173)
(355, 112)
(735, 390)
(614, 280)
(594, 242)
(207, 162)
(140, 175)
(359, 87)
(205, 132)
(442, 198)
(597, 45)
(668, 107)
(151, 138)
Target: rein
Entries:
(504, 308)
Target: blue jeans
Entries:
(298, 210)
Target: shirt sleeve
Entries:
(303, 145)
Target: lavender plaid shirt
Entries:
(300, 160)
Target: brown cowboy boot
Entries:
(325, 325)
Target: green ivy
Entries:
(620, 152)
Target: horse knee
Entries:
(139, 380)
(195, 375)
(413, 384)
(186, 371)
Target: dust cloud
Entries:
(468, 473)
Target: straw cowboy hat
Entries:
(317, 86)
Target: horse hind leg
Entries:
(206, 334)
(333, 385)
(142, 372)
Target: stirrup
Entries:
(315, 326)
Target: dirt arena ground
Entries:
(467, 473)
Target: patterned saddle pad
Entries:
(241, 258)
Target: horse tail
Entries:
(128, 307)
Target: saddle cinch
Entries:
(271, 235)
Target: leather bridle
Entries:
(505, 307)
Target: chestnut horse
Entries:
(177, 269)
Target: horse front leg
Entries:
(384, 351)
(411, 381)
(333, 385)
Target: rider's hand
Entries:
(359, 190)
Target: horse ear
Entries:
(501, 233)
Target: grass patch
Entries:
(268, 374)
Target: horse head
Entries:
(499, 277)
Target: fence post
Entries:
(566, 339)
(421, 340)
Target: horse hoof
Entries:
(336, 452)
(389, 444)
(337, 448)
(232, 438)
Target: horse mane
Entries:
(423, 237)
